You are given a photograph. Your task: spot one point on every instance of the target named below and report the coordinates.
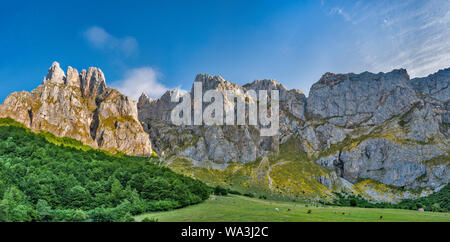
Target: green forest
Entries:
(44, 181)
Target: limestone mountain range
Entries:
(383, 127)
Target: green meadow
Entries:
(234, 208)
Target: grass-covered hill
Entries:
(46, 178)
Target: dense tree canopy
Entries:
(42, 181)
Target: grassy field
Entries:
(234, 208)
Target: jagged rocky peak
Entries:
(165, 98)
(435, 89)
(168, 94)
(270, 84)
(159, 109)
(55, 74)
(143, 99)
(435, 85)
(117, 104)
(291, 100)
(353, 99)
(215, 82)
(206, 78)
(266, 84)
(93, 82)
(299, 92)
(332, 79)
(73, 78)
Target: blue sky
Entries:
(153, 46)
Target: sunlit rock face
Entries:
(82, 107)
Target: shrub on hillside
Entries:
(234, 192)
(220, 191)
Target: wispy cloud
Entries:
(401, 34)
(102, 40)
(340, 11)
(141, 80)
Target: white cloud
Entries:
(100, 39)
(140, 80)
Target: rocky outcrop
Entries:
(435, 89)
(390, 129)
(157, 109)
(293, 100)
(349, 100)
(92, 82)
(82, 107)
(394, 164)
(221, 144)
(435, 86)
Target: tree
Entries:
(156, 189)
(4, 211)
(138, 205)
(121, 213)
(44, 211)
(116, 191)
(79, 216)
(436, 207)
(14, 196)
(21, 213)
(79, 197)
